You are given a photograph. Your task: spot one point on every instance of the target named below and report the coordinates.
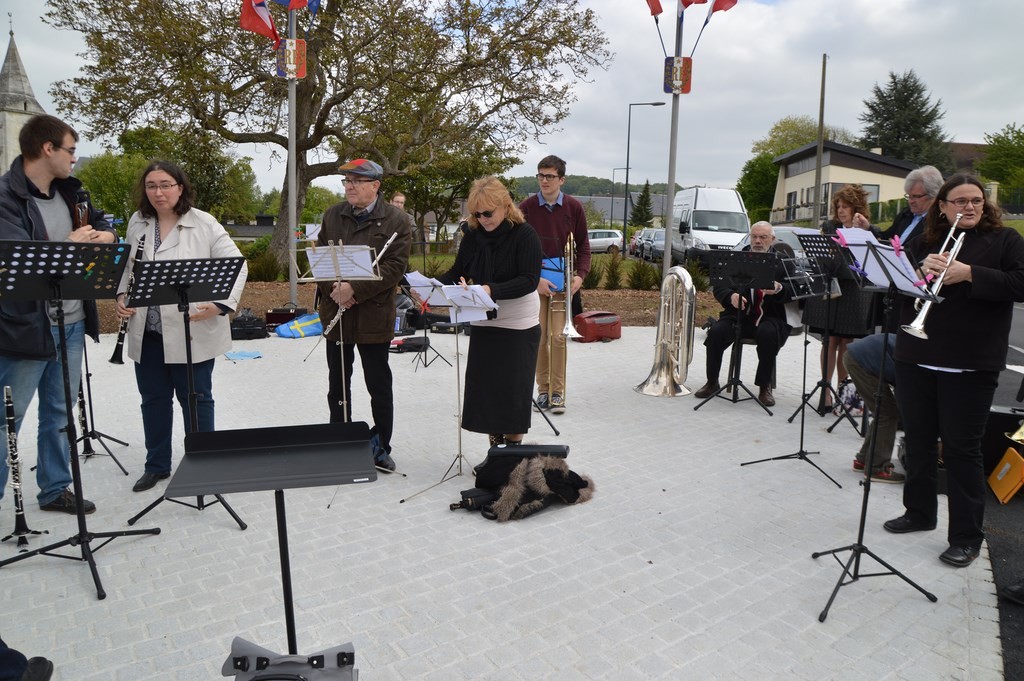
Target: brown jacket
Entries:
(372, 319)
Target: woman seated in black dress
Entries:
(502, 253)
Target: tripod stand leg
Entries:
(134, 518)
(230, 511)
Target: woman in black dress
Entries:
(502, 253)
(945, 383)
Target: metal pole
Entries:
(629, 129)
(611, 209)
(293, 276)
(670, 190)
(821, 144)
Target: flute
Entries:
(118, 356)
(21, 530)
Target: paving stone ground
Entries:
(685, 565)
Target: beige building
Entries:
(17, 104)
(881, 176)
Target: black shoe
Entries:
(384, 461)
(148, 481)
(39, 669)
(709, 389)
(65, 503)
(541, 403)
(557, 404)
(765, 397)
(959, 556)
(904, 524)
(1014, 594)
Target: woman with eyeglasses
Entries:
(502, 253)
(945, 383)
(170, 228)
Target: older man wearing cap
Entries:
(368, 321)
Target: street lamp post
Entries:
(625, 203)
(611, 208)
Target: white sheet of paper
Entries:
(427, 288)
(880, 262)
(341, 262)
(470, 296)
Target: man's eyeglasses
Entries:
(163, 186)
(915, 197)
(352, 183)
(544, 177)
(482, 214)
(72, 150)
(977, 202)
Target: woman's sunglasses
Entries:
(482, 214)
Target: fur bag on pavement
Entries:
(536, 483)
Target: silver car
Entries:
(605, 240)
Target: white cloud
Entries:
(756, 63)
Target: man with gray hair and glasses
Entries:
(921, 186)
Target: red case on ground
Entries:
(597, 325)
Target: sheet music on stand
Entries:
(466, 304)
(881, 264)
(166, 282)
(337, 262)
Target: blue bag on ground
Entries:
(301, 327)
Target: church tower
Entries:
(17, 104)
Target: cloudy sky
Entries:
(756, 63)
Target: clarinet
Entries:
(118, 356)
(21, 530)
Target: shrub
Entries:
(701, 280)
(644, 276)
(264, 267)
(593, 278)
(257, 247)
(613, 272)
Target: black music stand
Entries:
(806, 283)
(422, 356)
(740, 271)
(44, 270)
(831, 263)
(851, 568)
(87, 418)
(180, 282)
(262, 459)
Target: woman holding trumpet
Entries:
(945, 381)
(502, 253)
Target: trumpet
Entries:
(118, 355)
(916, 327)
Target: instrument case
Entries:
(283, 315)
(597, 325)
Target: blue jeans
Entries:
(26, 377)
(158, 384)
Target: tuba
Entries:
(674, 342)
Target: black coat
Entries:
(25, 325)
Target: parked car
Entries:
(654, 248)
(605, 240)
(643, 237)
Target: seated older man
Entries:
(764, 320)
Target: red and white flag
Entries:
(683, 4)
(719, 5)
(655, 6)
(256, 18)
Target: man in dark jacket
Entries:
(37, 203)
(764, 321)
(921, 186)
(368, 305)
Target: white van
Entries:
(707, 219)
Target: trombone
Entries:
(564, 305)
(916, 327)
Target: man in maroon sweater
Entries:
(555, 215)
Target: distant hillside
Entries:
(583, 185)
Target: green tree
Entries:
(241, 198)
(642, 214)
(385, 80)
(318, 200)
(1004, 155)
(901, 119)
(793, 132)
(111, 180)
(757, 186)
(595, 218)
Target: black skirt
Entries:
(499, 379)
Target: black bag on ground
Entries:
(475, 499)
(247, 326)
